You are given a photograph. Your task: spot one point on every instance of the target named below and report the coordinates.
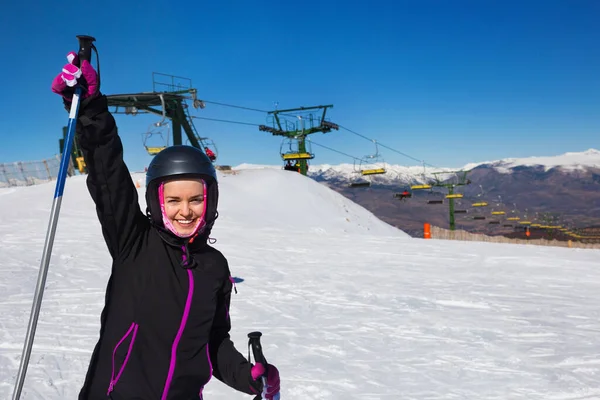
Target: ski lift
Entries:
(420, 187)
(373, 159)
(359, 182)
(507, 226)
(290, 150)
(460, 211)
(154, 138)
(494, 222)
(435, 201)
(479, 217)
(498, 213)
(158, 129)
(209, 147)
(515, 212)
(403, 195)
(480, 202)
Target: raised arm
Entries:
(109, 180)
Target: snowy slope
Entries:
(347, 312)
(278, 199)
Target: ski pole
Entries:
(259, 357)
(85, 52)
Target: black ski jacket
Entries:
(165, 324)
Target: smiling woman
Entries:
(165, 325)
(183, 206)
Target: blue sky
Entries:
(449, 82)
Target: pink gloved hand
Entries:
(71, 76)
(272, 381)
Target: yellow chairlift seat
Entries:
(536, 225)
(80, 164)
(454, 196)
(155, 150)
(417, 187)
(525, 222)
(513, 218)
(480, 204)
(297, 156)
(498, 213)
(375, 171)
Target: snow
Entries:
(569, 161)
(399, 174)
(349, 309)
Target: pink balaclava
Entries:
(201, 222)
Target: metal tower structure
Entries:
(168, 99)
(450, 184)
(295, 125)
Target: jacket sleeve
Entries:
(109, 181)
(229, 365)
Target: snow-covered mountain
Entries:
(402, 175)
(567, 162)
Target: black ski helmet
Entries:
(182, 162)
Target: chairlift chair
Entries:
(154, 138)
(403, 195)
(289, 150)
(373, 159)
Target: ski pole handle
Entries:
(85, 47)
(254, 343)
(259, 357)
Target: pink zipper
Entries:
(114, 379)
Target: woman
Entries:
(165, 325)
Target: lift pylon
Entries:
(296, 124)
(460, 179)
(169, 100)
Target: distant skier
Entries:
(210, 154)
(165, 324)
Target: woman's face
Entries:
(184, 204)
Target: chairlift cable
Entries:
(225, 120)
(387, 147)
(334, 150)
(234, 106)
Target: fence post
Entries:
(426, 230)
(5, 174)
(20, 164)
(48, 170)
